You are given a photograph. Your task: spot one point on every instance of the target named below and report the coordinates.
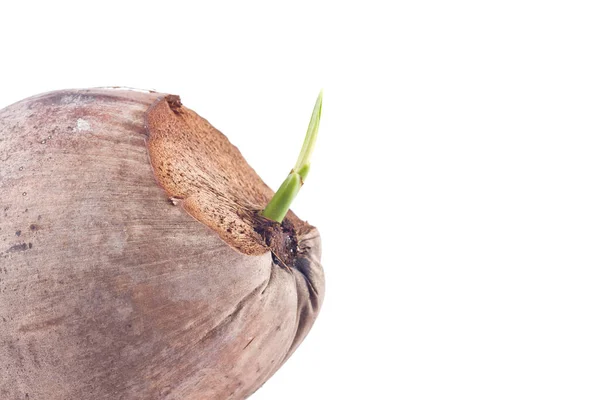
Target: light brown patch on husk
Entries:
(195, 162)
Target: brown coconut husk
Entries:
(133, 261)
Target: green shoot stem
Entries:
(285, 195)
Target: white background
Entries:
(455, 183)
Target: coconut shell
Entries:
(133, 262)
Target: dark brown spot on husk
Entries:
(18, 247)
(281, 239)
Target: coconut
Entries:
(134, 259)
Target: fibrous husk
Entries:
(133, 262)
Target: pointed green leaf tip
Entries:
(282, 200)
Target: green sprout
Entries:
(281, 201)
